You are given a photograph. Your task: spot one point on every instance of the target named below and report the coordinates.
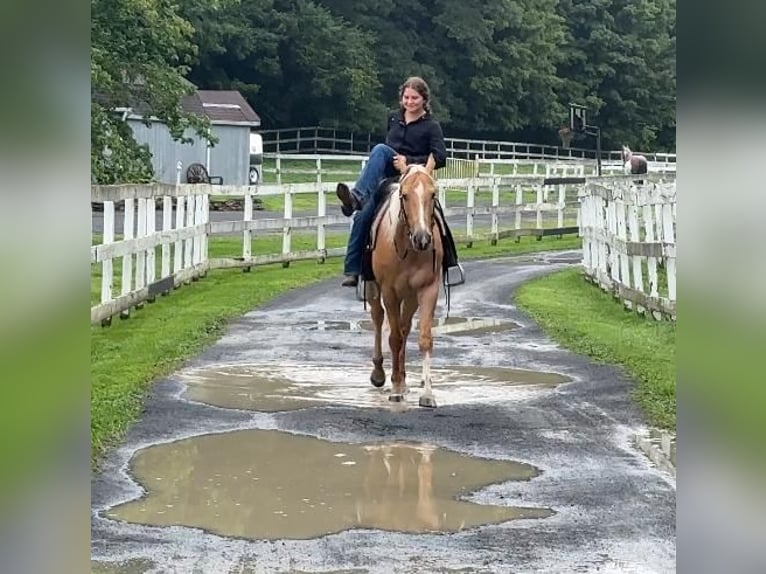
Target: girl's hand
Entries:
(400, 163)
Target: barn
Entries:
(232, 121)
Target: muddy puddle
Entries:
(265, 484)
(273, 388)
(441, 326)
(459, 326)
(127, 567)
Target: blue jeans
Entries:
(379, 166)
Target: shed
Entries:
(232, 120)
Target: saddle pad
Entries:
(382, 209)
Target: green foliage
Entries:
(619, 59)
(140, 50)
(498, 69)
(296, 62)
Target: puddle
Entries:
(129, 567)
(265, 484)
(459, 326)
(328, 326)
(273, 388)
(442, 326)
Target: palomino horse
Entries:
(407, 265)
(633, 163)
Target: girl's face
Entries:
(412, 101)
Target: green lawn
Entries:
(582, 317)
(155, 340)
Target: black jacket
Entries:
(416, 139)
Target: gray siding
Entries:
(229, 158)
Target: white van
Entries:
(256, 158)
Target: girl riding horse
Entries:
(413, 135)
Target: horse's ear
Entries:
(431, 163)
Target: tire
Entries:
(253, 176)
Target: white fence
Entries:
(320, 140)
(629, 241)
(539, 200)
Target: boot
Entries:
(350, 203)
(350, 281)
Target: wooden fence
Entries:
(544, 200)
(321, 140)
(629, 240)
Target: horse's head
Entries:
(417, 195)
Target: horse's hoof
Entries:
(378, 380)
(427, 401)
(396, 398)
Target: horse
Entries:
(633, 163)
(407, 268)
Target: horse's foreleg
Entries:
(428, 298)
(409, 306)
(393, 312)
(378, 375)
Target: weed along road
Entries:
(272, 452)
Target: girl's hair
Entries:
(419, 85)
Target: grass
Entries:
(224, 247)
(585, 319)
(348, 171)
(308, 202)
(155, 340)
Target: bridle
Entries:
(403, 217)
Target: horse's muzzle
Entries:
(421, 240)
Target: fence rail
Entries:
(629, 245)
(507, 199)
(319, 140)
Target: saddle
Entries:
(367, 274)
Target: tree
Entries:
(295, 62)
(619, 60)
(139, 55)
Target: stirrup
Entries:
(366, 290)
(454, 276)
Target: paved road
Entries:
(271, 452)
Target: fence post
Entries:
(286, 229)
(141, 255)
(247, 234)
(495, 204)
(539, 213)
(519, 204)
(167, 224)
(321, 213)
(668, 237)
(107, 269)
(151, 224)
(191, 201)
(469, 213)
(129, 221)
